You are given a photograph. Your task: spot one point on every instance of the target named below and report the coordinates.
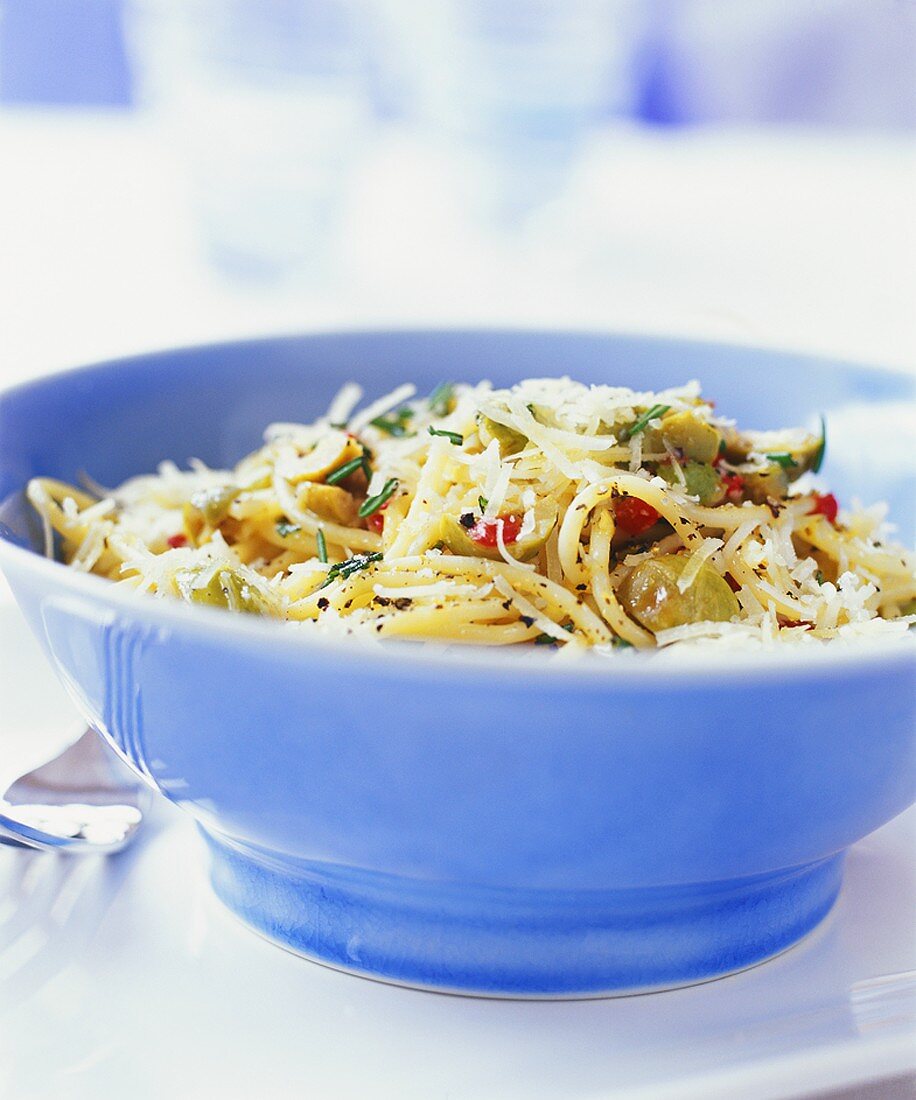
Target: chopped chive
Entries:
(821, 447)
(545, 639)
(620, 643)
(285, 529)
(455, 437)
(345, 470)
(372, 504)
(440, 400)
(343, 569)
(819, 577)
(784, 459)
(483, 502)
(642, 422)
(322, 545)
(394, 423)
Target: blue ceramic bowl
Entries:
(481, 822)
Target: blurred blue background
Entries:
(187, 169)
(848, 63)
(63, 52)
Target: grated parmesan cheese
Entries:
(703, 553)
(569, 452)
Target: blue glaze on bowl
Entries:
(494, 823)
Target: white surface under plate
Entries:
(126, 978)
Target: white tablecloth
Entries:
(797, 240)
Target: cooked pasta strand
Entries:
(572, 516)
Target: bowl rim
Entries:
(142, 359)
(675, 667)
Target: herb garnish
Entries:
(440, 400)
(350, 468)
(454, 437)
(784, 459)
(322, 545)
(545, 639)
(394, 423)
(483, 502)
(343, 569)
(821, 448)
(372, 504)
(642, 422)
(284, 529)
(344, 471)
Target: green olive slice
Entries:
(224, 588)
(650, 594)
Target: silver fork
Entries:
(85, 801)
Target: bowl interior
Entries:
(213, 403)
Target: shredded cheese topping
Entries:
(571, 516)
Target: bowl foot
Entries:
(515, 943)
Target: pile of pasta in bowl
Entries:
(551, 513)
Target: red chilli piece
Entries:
(176, 541)
(825, 504)
(377, 520)
(485, 532)
(634, 516)
(792, 624)
(733, 483)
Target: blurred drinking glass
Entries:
(267, 102)
(513, 87)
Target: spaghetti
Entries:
(551, 513)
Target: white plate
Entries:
(127, 978)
